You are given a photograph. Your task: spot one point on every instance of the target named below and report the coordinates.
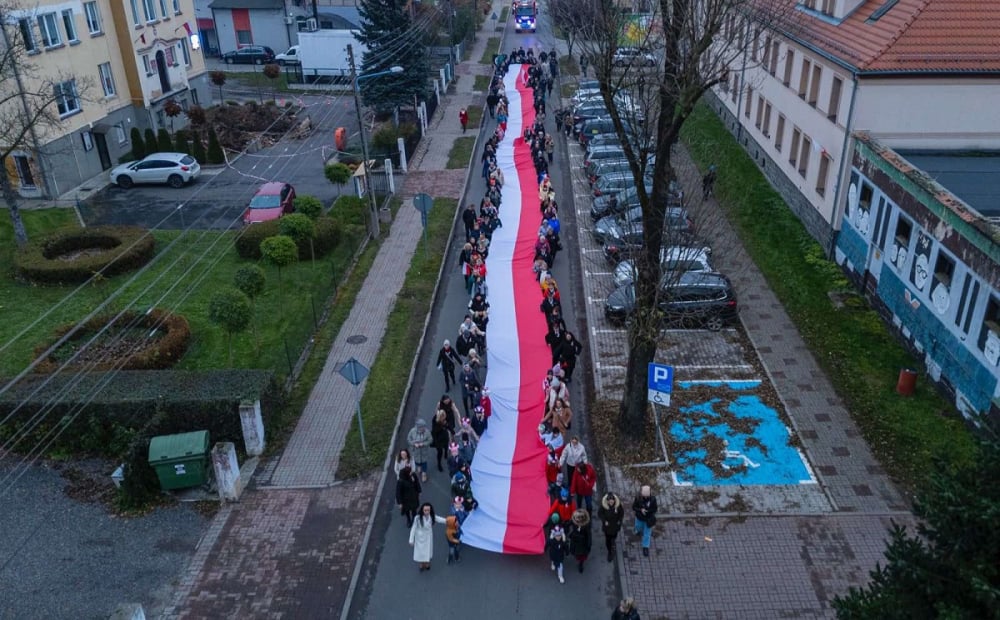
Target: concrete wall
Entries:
(914, 113)
(941, 318)
(70, 165)
(266, 26)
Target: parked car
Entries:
(592, 108)
(623, 239)
(249, 55)
(596, 126)
(602, 153)
(617, 203)
(291, 57)
(613, 225)
(626, 56)
(271, 201)
(613, 183)
(673, 260)
(174, 169)
(692, 299)
(603, 167)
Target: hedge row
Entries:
(325, 239)
(174, 336)
(50, 260)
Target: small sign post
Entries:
(660, 383)
(355, 372)
(423, 203)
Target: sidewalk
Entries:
(290, 547)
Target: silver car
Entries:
(674, 259)
(174, 169)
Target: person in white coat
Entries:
(422, 536)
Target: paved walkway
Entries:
(289, 549)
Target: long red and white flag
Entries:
(508, 471)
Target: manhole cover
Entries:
(357, 339)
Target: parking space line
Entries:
(697, 366)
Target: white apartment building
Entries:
(113, 65)
(914, 74)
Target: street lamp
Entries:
(364, 143)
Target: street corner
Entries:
(732, 433)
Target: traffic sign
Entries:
(423, 203)
(660, 383)
(354, 371)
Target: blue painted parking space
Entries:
(732, 438)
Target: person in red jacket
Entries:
(485, 402)
(562, 508)
(582, 486)
(463, 117)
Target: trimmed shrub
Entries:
(181, 143)
(215, 154)
(125, 345)
(310, 206)
(326, 236)
(198, 147)
(138, 147)
(149, 139)
(350, 211)
(249, 240)
(74, 255)
(163, 142)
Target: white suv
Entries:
(625, 56)
(174, 169)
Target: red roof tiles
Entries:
(913, 36)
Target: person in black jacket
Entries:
(408, 494)
(580, 539)
(569, 349)
(644, 508)
(554, 339)
(557, 548)
(612, 514)
(626, 610)
(446, 364)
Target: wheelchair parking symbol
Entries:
(659, 398)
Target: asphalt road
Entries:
(484, 585)
(217, 199)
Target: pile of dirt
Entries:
(236, 125)
(86, 481)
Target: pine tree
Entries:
(163, 141)
(149, 139)
(215, 154)
(138, 148)
(198, 147)
(181, 142)
(386, 30)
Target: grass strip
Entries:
(852, 345)
(492, 48)
(386, 384)
(504, 14)
(461, 150)
(482, 83)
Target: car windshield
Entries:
(265, 202)
(187, 160)
(682, 265)
(524, 11)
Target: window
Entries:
(145, 64)
(765, 59)
(177, 6)
(900, 244)
(834, 108)
(70, 25)
(789, 61)
(775, 49)
(185, 52)
(779, 132)
(755, 44)
(793, 152)
(944, 269)
(168, 54)
(824, 171)
(867, 193)
(941, 286)
(989, 333)
(749, 104)
(27, 36)
(814, 87)
(122, 136)
(88, 140)
(760, 112)
(804, 78)
(49, 27)
(767, 119)
(163, 8)
(804, 155)
(244, 37)
(967, 303)
(882, 222)
(194, 97)
(66, 98)
(107, 79)
(93, 13)
(736, 87)
(25, 176)
(148, 10)
(135, 11)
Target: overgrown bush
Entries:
(73, 255)
(384, 140)
(126, 344)
(350, 211)
(326, 236)
(248, 242)
(310, 206)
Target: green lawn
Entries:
(482, 83)
(257, 79)
(492, 48)
(475, 116)
(387, 382)
(461, 150)
(853, 346)
(199, 264)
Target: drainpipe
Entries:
(844, 167)
(743, 86)
(27, 114)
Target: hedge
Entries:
(325, 240)
(156, 353)
(125, 248)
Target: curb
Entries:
(363, 551)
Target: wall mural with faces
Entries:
(921, 270)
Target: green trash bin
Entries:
(180, 461)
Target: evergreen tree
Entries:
(138, 148)
(163, 141)
(215, 154)
(198, 147)
(386, 30)
(149, 139)
(951, 568)
(181, 142)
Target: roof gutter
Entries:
(842, 170)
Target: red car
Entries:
(271, 201)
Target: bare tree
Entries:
(28, 108)
(652, 70)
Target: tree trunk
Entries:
(632, 414)
(10, 197)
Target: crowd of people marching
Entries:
(454, 433)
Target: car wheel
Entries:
(714, 323)
(124, 182)
(230, 60)
(258, 61)
(175, 181)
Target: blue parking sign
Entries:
(660, 382)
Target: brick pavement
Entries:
(290, 547)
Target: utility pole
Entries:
(372, 207)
